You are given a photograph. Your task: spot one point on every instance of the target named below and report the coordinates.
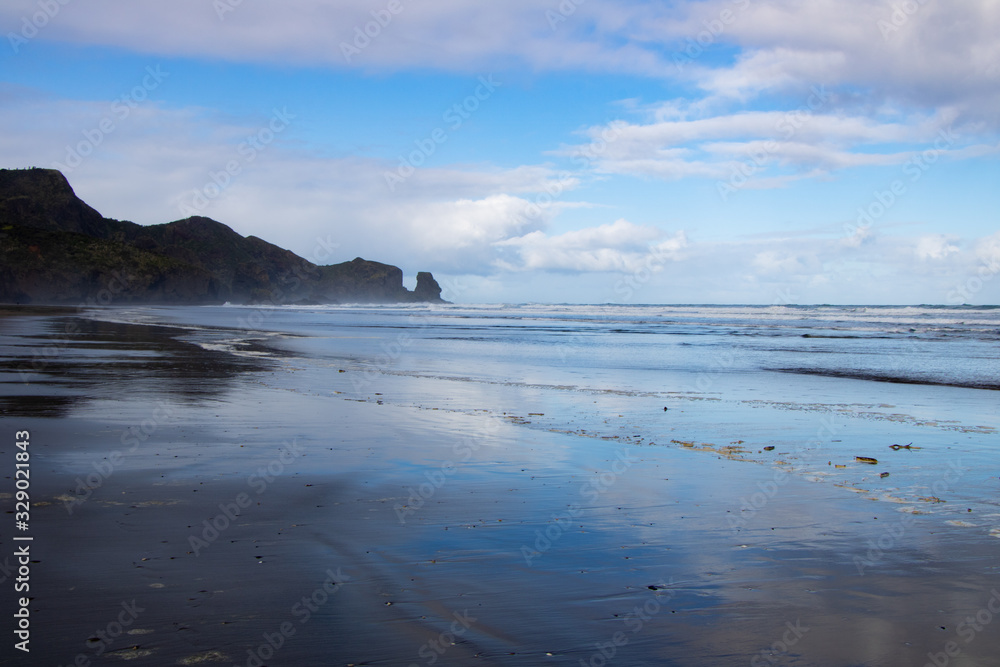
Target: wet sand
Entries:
(198, 507)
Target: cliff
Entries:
(54, 248)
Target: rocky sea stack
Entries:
(427, 288)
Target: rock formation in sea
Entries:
(427, 288)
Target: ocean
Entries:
(816, 382)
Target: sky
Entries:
(552, 151)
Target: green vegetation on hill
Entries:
(54, 248)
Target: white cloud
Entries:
(766, 149)
(858, 235)
(820, 268)
(944, 53)
(619, 246)
(456, 35)
(779, 68)
(882, 91)
(857, 83)
(812, 88)
(934, 246)
(152, 165)
(941, 54)
(773, 262)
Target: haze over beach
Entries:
(522, 333)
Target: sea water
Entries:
(914, 388)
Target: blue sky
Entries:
(721, 151)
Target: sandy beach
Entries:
(192, 505)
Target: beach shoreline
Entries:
(243, 501)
